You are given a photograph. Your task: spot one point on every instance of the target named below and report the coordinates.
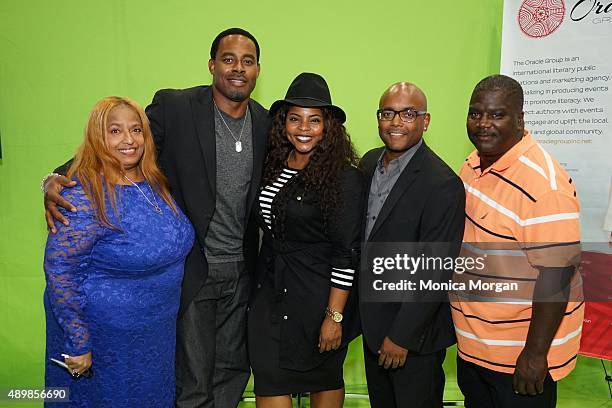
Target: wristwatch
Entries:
(335, 315)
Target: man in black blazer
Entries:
(211, 143)
(413, 196)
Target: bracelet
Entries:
(43, 182)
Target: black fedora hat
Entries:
(310, 91)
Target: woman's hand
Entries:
(78, 364)
(330, 335)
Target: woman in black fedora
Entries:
(303, 315)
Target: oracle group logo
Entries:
(539, 18)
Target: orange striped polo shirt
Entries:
(525, 198)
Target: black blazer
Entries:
(426, 204)
(183, 126)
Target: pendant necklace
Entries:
(237, 140)
(155, 205)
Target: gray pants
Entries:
(212, 367)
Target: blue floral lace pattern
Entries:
(115, 292)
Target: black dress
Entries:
(300, 260)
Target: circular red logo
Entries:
(539, 18)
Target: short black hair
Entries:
(232, 31)
(511, 88)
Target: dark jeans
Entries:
(212, 367)
(418, 384)
(484, 388)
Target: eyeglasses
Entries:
(406, 115)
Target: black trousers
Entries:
(212, 366)
(418, 384)
(484, 388)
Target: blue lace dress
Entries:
(116, 294)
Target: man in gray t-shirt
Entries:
(212, 362)
(223, 241)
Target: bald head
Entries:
(406, 90)
(402, 118)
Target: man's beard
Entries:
(237, 96)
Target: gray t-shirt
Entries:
(223, 241)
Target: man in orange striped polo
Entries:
(511, 352)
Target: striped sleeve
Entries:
(342, 278)
(344, 231)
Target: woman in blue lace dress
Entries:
(114, 273)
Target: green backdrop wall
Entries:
(58, 58)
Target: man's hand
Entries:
(330, 335)
(530, 373)
(391, 355)
(78, 364)
(53, 187)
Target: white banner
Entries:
(561, 53)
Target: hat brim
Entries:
(308, 103)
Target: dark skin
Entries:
(78, 364)
(494, 125)
(391, 355)
(53, 199)
(234, 69)
(399, 136)
(532, 365)
(305, 129)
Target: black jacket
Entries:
(183, 125)
(426, 204)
